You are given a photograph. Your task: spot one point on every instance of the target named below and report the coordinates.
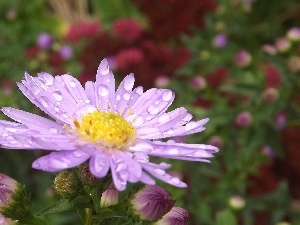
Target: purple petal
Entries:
(123, 169)
(104, 86)
(160, 173)
(90, 92)
(123, 94)
(75, 89)
(31, 120)
(62, 160)
(99, 164)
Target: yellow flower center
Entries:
(107, 129)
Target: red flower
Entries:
(128, 29)
(82, 29)
(273, 76)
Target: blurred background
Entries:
(234, 61)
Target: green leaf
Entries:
(106, 213)
(62, 205)
(226, 217)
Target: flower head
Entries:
(220, 40)
(151, 203)
(44, 41)
(113, 130)
(242, 59)
(177, 216)
(66, 51)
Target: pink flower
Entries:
(128, 57)
(243, 119)
(242, 59)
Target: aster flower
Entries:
(113, 130)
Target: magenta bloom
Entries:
(114, 130)
(44, 41)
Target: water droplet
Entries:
(170, 132)
(56, 109)
(163, 119)
(128, 82)
(167, 95)
(191, 126)
(35, 89)
(44, 101)
(118, 97)
(48, 78)
(153, 110)
(175, 180)
(159, 171)
(72, 84)
(139, 121)
(139, 90)
(77, 154)
(103, 90)
(87, 101)
(10, 129)
(52, 130)
(103, 67)
(156, 102)
(173, 151)
(57, 95)
(126, 96)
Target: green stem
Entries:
(89, 218)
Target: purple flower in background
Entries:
(114, 130)
(44, 41)
(177, 216)
(7, 187)
(220, 41)
(243, 119)
(293, 34)
(66, 52)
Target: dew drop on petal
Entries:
(103, 90)
(173, 151)
(139, 90)
(191, 125)
(170, 132)
(77, 154)
(52, 130)
(87, 101)
(10, 129)
(175, 180)
(57, 95)
(126, 96)
(56, 109)
(163, 119)
(159, 171)
(167, 95)
(128, 83)
(139, 121)
(44, 101)
(152, 110)
(104, 67)
(72, 84)
(35, 89)
(156, 102)
(118, 97)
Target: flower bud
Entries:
(66, 52)
(237, 202)
(282, 44)
(198, 83)
(85, 175)
(151, 202)
(270, 49)
(66, 184)
(14, 201)
(294, 64)
(220, 41)
(293, 34)
(6, 221)
(109, 197)
(7, 188)
(162, 81)
(243, 119)
(44, 41)
(177, 216)
(270, 95)
(242, 59)
(216, 141)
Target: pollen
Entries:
(106, 129)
